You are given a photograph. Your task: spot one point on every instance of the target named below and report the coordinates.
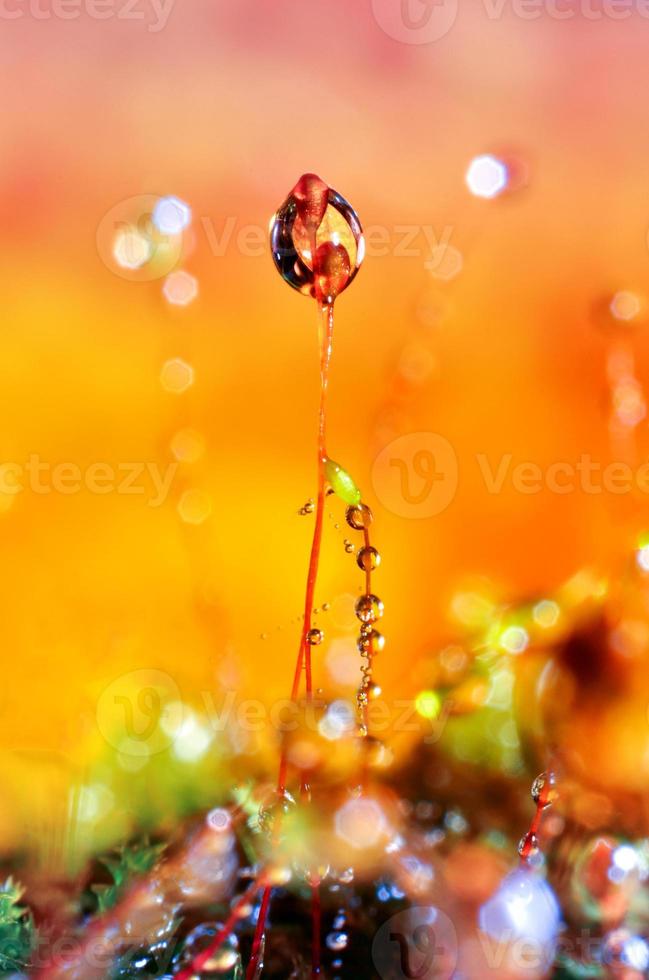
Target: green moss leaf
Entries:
(124, 865)
(17, 932)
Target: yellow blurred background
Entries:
(488, 339)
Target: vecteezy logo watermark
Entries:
(153, 13)
(131, 709)
(415, 21)
(419, 943)
(41, 477)
(131, 246)
(416, 475)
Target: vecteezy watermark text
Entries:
(567, 9)
(586, 475)
(142, 713)
(417, 475)
(131, 246)
(153, 13)
(39, 476)
(399, 240)
(426, 21)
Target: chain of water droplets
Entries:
(368, 609)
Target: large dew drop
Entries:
(316, 240)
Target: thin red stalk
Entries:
(536, 820)
(326, 339)
(316, 916)
(533, 829)
(259, 934)
(304, 653)
(226, 929)
(326, 311)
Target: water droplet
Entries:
(368, 559)
(307, 508)
(349, 546)
(528, 846)
(271, 814)
(370, 643)
(359, 517)
(225, 959)
(337, 941)
(544, 791)
(314, 875)
(318, 874)
(368, 608)
(316, 240)
(314, 637)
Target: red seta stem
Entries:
(326, 327)
(226, 929)
(259, 935)
(316, 928)
(303, 661)
(326, 341)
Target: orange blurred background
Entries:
(490, 342)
